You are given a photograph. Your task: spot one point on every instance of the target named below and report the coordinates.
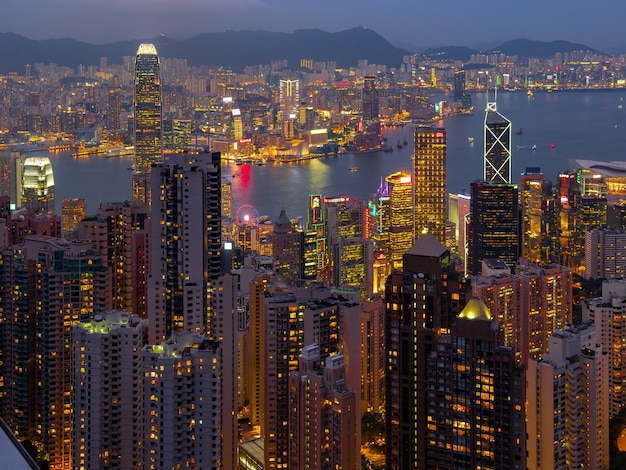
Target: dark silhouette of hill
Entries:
(234, 49)
(519, 47)
(541, 50)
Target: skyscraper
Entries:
(38, 185)
(182, 403)
(113, 109)
(322, 414)
(289, 97)
(581, 204)
(497, 157)
(430, 182)
(493, 228)
(568, 409)
(115, 231)
(107, 412)
(391, 217)
(54, 285)
(461, 396)
(608, 312)
(186, 243)
(287, 248)
(347, 242)
(148, 117)
(369, 99)
(537, 216)
(73, 211)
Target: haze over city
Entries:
(418, 24)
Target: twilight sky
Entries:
(597, 23)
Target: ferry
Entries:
(353, 168)
(120, 151)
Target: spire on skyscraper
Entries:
(497, 157)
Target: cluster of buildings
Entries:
(165, 333)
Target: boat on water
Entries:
(534, 147)
(387, 148)
(470, 140)
(399, 145)
(529, 93)
(353, 168)
(261, 161)
(519, 131)
(404, 142)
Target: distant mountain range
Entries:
(236, 49)
(520, 47)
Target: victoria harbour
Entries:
(555, 127)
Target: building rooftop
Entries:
(476, 309)
(427, 245)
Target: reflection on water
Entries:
(582, 124)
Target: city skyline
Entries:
(469, 26)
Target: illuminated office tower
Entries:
(459, 85)
(227, 210)
(73, 210)
(181, 134)
(373, 355)
(118, 230)
(377, 219)
(605, 254)
(54, 284)
(114, 110)
(497, 157)
(289, 97)
(458, 213)
(287, 249)
(430, 182)
(147, 107)
(493, 229)
(237, 124)
(148, 119)
(410, 329)
(322, 414)
(316, 224)
(608, 312)
(346, 240)
(568, 409)
(182, 395)
(369, 99)
(38, 185)
(399, 189)
(537, 207)
(107, 405)
(581, 204)
(529, 305)
(186, 243)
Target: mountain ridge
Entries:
(238, 49)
